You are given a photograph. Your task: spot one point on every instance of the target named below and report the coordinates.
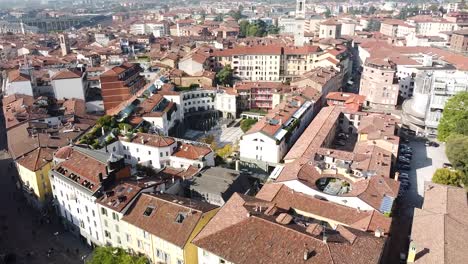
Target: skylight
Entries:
(148, 211)
(180, 217)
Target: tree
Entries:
(374, 25)
(448, 177)
(243, 27)
(455, 117)
(327, 13)
(219, 18)
(372, 10)
(433, 8)
(225, 76)
(457, 153)
(111, 255)
(236, 14)
(225, 151)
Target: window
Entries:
(149, 152)
(160, 154)
(167, 153)
(180, 217)
(140, 245)
(86, 208)
(128, 237)
(148, 211)
(116, 228)
(179, 261)
(103, 211)
(145, 234)
(222, 261)
(115, 216)
(105, 223)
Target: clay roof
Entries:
(445, 214)
(287, 199)
(192, 152)
(85, 166)
(16, 76)
(36, 159)
(152, 140)
(67, 74)
(250, 230)
(119, 195)
(161, 219)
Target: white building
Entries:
(226, 102)
(69, 84)
(18, 83)
(159, 151)
(76, 183)
(268, 141)
(433, 87)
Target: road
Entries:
(24, 232)
(423, 165)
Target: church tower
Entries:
(300, 9)
(64, 45)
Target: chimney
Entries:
(306, 254)
(142, 141)
(411, 252)
(378, 232)
(100, 175)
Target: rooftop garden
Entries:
(106, 131)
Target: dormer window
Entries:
(180, 217)
(148, 210)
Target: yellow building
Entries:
(162, 227)
(33, 169)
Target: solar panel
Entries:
(386, 205)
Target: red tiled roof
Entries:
(161, 222)
(67, 74)
(192, 152)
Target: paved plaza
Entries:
(222, 134)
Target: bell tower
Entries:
(300, 9)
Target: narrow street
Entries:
(26, 236)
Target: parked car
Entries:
(403, 176)
(447, 165)
(404, 146)
(404, 167)
(403, 180)
(406, 151)
(402, 158)
(431, 144)
(404, 162)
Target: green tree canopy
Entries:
(457, 153)
(219, 18)
(225, 76)
(448, 177)
(110, 255)
(455, 117)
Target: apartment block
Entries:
(77, 179)
(120, 83)
(266, 143)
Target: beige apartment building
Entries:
(274, 62)
(396, 28)
(379, 83)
